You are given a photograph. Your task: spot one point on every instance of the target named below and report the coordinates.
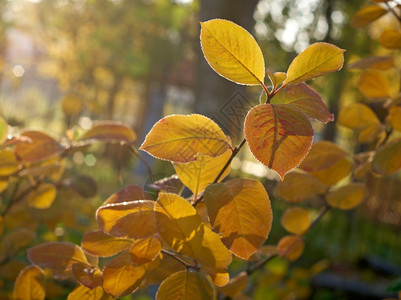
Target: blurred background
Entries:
(67, 63)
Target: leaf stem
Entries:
(179, 259)
(136, 152)
(265, 89)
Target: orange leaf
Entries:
(291, 247)
(279, 135)
(306, 100)
(134, 219)
(387, 159)
(88, 276)
(180, 138)
(366, 15)
(240, 211)
(373, 84)
(391, 39)
(110, 131)
(373, 62)
(101, 244)
(394, 117)
(296, 220)
(30, 284)
(348, 196)
(128, 193)
(145, 250)
(84, 293)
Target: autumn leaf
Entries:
(296, 220)
(390, 39)
(84, 293)
(347, 197)
(373, 84)
(186, 285)
(110, 131)
(366, 15)
(43, 196)
(145, 250)
(394, 117)
(291, 247)
(88, 276)
(236, 285)
(30, 284)
(101, 244)
(373, 62)
(232, 52)
(316, 60)
(276, 78)
(3, 130)
(387, 159)
(179, 138)
(8, 162)
(279, 135)
(306, 100)
(240, 211)
(129, 193)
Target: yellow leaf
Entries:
(71, 105)
(43, 196)
(186, 285)
(3, 186)
(347, 197)
(56, 255)
(8, 162)
(30, 284)
(306, 100)
(272, 130)
(373, 84)
(145, 250)
(390, 39)
(182, 229)
(235, 286)
(299, 186)
(296, 220)
(110, 131)
(373, 62)
(101, 244)
(314, 61)
(291, 247)
(240, 211)
(84, 293)
(394, 117)
(121, 277)
(366, 15)
(88, 276)
(357, 116)
(387, 159)
(198, 174)
(276, 78)
(179, 138)
(3, 130)
(232, 52)
(371, 133)
(134, 219)
(168, 265)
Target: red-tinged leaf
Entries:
(56, 255)
(36, 146)
(291, 247)
(145, 250)
(129, 193)
(186, 285)
(179, 138)
(88, 276)
(240, 211)
(373, 62)
(101, 244)
(305, 99)
(279, 135)
(387, 159)
(366, 15)
(110, 131)
(82, 292)
(121, 277)
(30, 284)
(135, 219)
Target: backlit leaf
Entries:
(179, 138)
(298, 186)
(101, 244)
(3, 130)
(390, 39)
(36, 146)
(88, 276)
(371, 133)
(232, 52)
(197, 175)
(30, 284)
(82, 292)
(128, 193)
(291, 247)
(348, 196)
(186, 285)
(373, 84)
(276, 78)
(8, 162)
(135, 219)
(296, 220)
(71, 105)
(373, 62)
(306, 99)
(43, 196)
(181, 228)
(121, 277)
(110, 131)
(56, 255)
(145, 250)
(387, 159)
(366, 15)
(314, 61)
(279, 135)
(236, 285)
(240, 211)
(167, 266)
(394, 117)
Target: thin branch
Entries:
(179, 259)
(136, 152)
(391, 9)
(265, 89)
(252, 268)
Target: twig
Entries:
(136, 152)
(391, 9)
(179, 259)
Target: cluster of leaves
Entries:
(187, 244)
